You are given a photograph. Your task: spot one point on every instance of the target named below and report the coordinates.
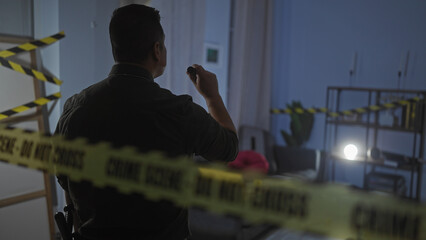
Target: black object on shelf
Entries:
(389, 183)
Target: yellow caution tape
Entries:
(38, 102)
(29, 47)
(311, 110)
(329, 209)
(374, 107)
(360, 110)
(389, 105)
(30, 72)
(346, 112)
(299, 110)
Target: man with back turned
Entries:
(129, 108)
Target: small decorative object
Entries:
(395, 119)
(301, 126)
(386, 118)
(375, 154)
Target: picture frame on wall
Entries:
(212, 55)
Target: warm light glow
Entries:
(350, 151)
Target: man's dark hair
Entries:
(133, 31)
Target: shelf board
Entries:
(372, 125)
(406, 166)
(376, 90)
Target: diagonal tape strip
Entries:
(38, 102)
(30, 72)
(31, 45)
(394, 104)
(329, 209)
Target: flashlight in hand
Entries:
(192, 73)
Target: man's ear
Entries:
(156, 54)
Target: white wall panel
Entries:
(24, 221)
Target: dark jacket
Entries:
(129, 108)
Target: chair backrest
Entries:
(259, 140)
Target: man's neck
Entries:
(147, 67)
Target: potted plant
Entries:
(300, 125)
(294, 157)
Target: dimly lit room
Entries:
(212, 119)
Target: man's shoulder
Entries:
(168, 94)
(97, 92)
(172, 100)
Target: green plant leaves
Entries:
(288, 138)
(300, 126)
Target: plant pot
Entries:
(295, 159)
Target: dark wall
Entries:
(314, 45)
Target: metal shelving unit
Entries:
(372, 125)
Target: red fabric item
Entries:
(250, 160)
